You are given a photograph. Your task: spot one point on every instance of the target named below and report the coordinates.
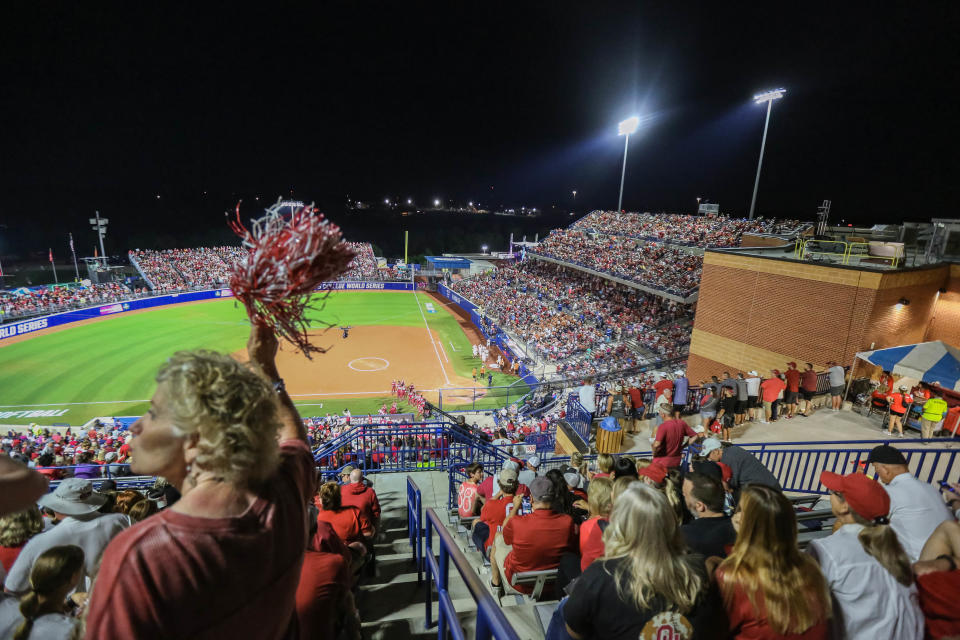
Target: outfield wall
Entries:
(67, 317)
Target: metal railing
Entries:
(797, 465)
(850, 250)
(415, 525)
(117, 472)
(578, 417)
(491, 623)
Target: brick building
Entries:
(758, 312)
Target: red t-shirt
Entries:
(494, 512)
(359, 495)
(348, 522)
(771, 388)
(467, 499)
(591, 542)
(636, 397)
(808, 380)
(670, 435)
(899, 400)
(660, 386)
(323, 580)
(8, 556)
(154, 575)
(747, 624)
(539, 540)
(793, 379)
(938, 600)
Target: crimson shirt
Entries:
(348, 522)
(591, 541)
(324, 579)
(494, 512)
(770, 389)
(180, 576)
(359, 495)
(670, 435)
(539, 540)
(793, 379)
(808, 380)
(748, 624)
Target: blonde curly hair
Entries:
(18, 527)
(231, 409)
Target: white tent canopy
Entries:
(932, 362)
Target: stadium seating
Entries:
(697, 231)
(56, 298)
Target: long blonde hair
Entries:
(645, 533)
(52, 569)
(783, 585)
(18, 527)
(230, 408)
(881, 542)
(600, 497)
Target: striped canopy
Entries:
(931, 362)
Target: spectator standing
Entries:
(729, 381)
(916, 508)
(75, 505)
(770, 390)
(792, 392)
(808, 387)
(899, 405)
(681, 388)
(866, 568)
(618, 404)
(664, 406)
(709, 405)
(636, 402)
(726, 415)
(532, 542)
(587, 394)
(837, 379)
(213, 431)
(740, 410)
(660, 385)
(934, 412)
(753, 394)
(669, 442)
(770, 589)
(710, 533)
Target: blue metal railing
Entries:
(797, 465)
(491, 623)
(415, 525)
(578, 417)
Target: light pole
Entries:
(627, 127)
(768, 97)
(698, 206)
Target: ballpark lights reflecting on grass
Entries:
(760, 98)
(626, 127)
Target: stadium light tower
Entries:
(627, 127)
(768, 97)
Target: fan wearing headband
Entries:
(866, 567)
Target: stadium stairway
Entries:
(391, 604)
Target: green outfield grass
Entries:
(107, 367)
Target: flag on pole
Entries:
(51, 255)
(71, 243)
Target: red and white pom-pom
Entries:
(287, 260)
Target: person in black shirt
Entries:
(646, 585)
(710, 533)
(728, 407)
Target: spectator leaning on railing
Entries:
(212, 431)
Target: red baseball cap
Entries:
(776, 372)
(655, 472)
(725, 471)
(864, 494)
(791, 364)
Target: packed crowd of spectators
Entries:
(651, 548)
(698, 231)
(55, 298)
(364, 263)
(176, 269)
(652, 264)
(576, 319)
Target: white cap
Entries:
(678, 373)
(533, 461)
(710, 444)
(754, 373)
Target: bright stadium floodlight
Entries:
(760, 98)
(626, 127)
(436, 203)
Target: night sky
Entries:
(504, 104)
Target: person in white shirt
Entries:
(867, 569)
(75, 504)
(588, 397)
(916, 508)
(753, 394)
(529, 473)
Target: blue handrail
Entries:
(491, 623)
(415, 525)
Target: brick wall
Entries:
(700, 368)
(756, 313)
